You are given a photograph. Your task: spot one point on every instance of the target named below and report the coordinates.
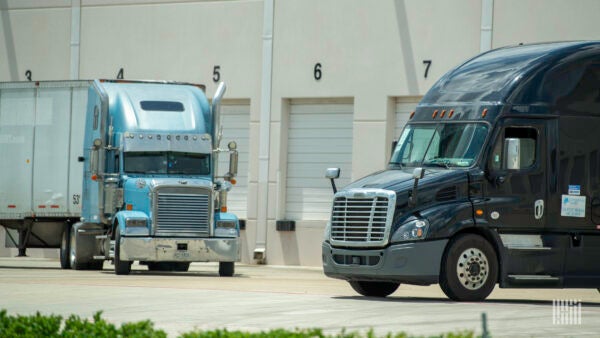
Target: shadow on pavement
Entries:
(449, 301)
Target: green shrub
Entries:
(74, 327)
(29, 326)
(53, 326)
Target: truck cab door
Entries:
(516, 196)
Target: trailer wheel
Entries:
(226, 269)
(374, 289)
(65, 261)
(121, 267)
(469, 268)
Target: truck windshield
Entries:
(444, 145)
(177, 163)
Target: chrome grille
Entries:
(357, 219)
(183, 213)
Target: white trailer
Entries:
(41, 138)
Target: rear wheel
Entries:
(76, 252)
(75, 260)
(374, 289)
(65, 262)
(469, 268)
(121, 267)
(226, 269)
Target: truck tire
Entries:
(74, 257)
(226, 269)
(121, 267)
(65, 262)
(469, 268)
(374, 289)
(168, 266)
(75, 260)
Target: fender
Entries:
(448, 219)
(120, 221)
(226, 231)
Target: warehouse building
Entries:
(312, 84)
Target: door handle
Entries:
(539, 209)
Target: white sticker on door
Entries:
(572, 206)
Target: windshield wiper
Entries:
(438, 162)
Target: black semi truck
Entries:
(495, 179)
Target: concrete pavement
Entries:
(265, 297)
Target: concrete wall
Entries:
(371, 53)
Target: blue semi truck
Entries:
(144, 160)
(494, 180)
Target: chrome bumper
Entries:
(179, 249)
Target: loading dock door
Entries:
(319, 137)
(404, 106)
(235, 119)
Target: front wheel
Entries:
(374, 289)
(469, 268)
(121, 267)
(226, 269)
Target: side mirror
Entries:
(233, 158)
(94, 156)
(332, 174)
(512, 149)
(418, 173)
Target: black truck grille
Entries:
(360, 219)
(183, 214)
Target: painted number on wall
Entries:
(216, 73)
(427, 64)
(317, 72)
(121, 74)
(28, 75)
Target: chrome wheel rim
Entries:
(472, 269)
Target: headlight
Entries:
(136, 227)
(135, 222)
(226, 224)
(411, 231)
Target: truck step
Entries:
(91, 232)
(101, 236)
(540, 278)
(101, 258)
